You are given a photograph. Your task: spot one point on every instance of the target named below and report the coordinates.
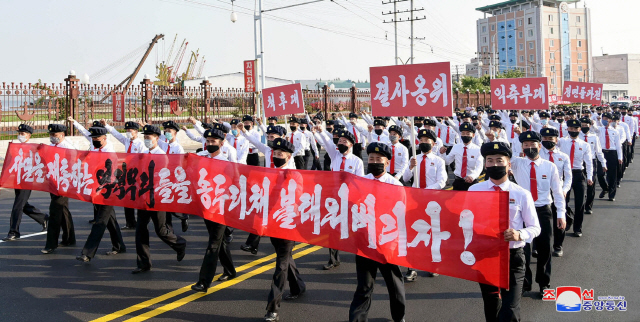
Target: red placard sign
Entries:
(412, 90)
(579, 92)
(519, 94)
(454, 233)
(249, 76)
(281, 100)
(117, 100)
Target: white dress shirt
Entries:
(298, 141)
(268, 153)
(596, 149)
(130, 146)
(434, 170)
(547, 179)
(386, 178)
(443, 132)
(613, 136)
(156, 150)
(229, 152)
(170, 147)
(400, 160)
(241, 145)
(311, 141)
(475, 161)
(352, 163)
(522, 210)
(107, 148)
(582, 153)
(64, 144)
(206, 154)
(357, 130)
(382, 138)
(563, 164)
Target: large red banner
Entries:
(519, 93)
(117, 100)
(578, 92)
(249, 76)
(412, 90)
(282, 100)
(454, 233)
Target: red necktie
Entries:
(447, 135)
(344, 160)
(354, 133)
(463, 169)
(497, 188)
(586, 138)
(606, 138)
(393, 162)
(439, 130)
(378, 138)
(513, 127)
(573, 151)
(130, 144)
(291, 139)
(534, 183)
(235, 143)
(551, 156)
(561, 130)
(423, 173)
(272, 165)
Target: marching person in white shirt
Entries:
(541, 178)
(399, 160)
(447, 133)
(358, 132)
(597, 158)
(504, 304)
(612, 150)
(469, 162)
(105, 216)
(311, 147)
(299, 140)
(170, 144)
(239, 143)
(59, 215)
(377, 132)
(87, 135)
(496, 133)
(379, 155)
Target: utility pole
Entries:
(395, 21)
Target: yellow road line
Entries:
(182, 290)
(180, 302)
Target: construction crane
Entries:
(201, 67)
(192, 65)
(163, 69)
(178, 61)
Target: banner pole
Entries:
(413, 149)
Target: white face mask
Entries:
(129, 135)
(54, 139)
(22, 138)
(168, 135)
(148, 143)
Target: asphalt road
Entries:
(56, 287)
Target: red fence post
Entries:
(353, 99)
(147, 95)
(206, 94)
(72, 94)
(325, 93)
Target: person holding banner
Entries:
(504, 304)
(200, 128)
(312, 146)
(341, 160)
(21, 201)
(358, 132)
(220, 236)
(286, 269)
(366, 269)
(59, 215)
(597, 157)
(132, 144)
(469, 162)
(238, 142)
(253, 158)
(105, 216)
(399, 160)
(87, 134)
(163, 229)
(170, 144)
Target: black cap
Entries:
(347, 135)
(616, 117)
(273, 118)
(151, 129)
(97, 131)
(465, 115)
(396, 129)
(571, 112)
(427, 133)
(607, 115)
(429, 122)
(573, 123)
(234, 122)
(329, 123)
(543, 114)
(303, 121)
(599, 108)
(418, 119)
(378, 122)
(474, 117)
(353, 115)
(492, 148)
(480, 109)
(549, 131)
(247, 118)
(513, 114)
(55, 128)
(207, 126)
(279, 130)
(530, 136)
(131, 126)
(294, 119)
(283, 145)
(495, 117)
(170, 125)
(25, 128)
(495, 124)
(220, 127)
(381, 148)
(466, 126)
(585, 120)
(214, 133)
(559, 114)
(97, 124)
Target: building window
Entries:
(579, 31)
(530, 57)
(530, 32)
(579, 56)
(521, 46)
(493, 27)
(551, 30)
(579, 43)
(579, 68)
(484, 40)
(577, 18)
(553, 69)
(532, 70)
(484, 28)
(531, 45)
(579, 79)
(550, 17)
(486, 72)
(551, 43)
(493, 38)
(520, 34)
(552, 56)
(521, 58)
(553, 81)
(529, 21)
(519, 22)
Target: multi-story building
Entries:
(540, 37)
(618, 74)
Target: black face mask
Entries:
(270, 144)
(302, 128)
(574, 134)
(466, 139)
(212, 148)
(624, 113)
(342, 148)
(532, 153)
(585, 129)
(272, 124)
(335, 140)
(425, 147)
(599, 114)
(97, 144)
(513, 121)
(375, 168)
(247, 127)
(549, 144)
(496, 172)
(553, 118)
(293, 128)
(278, 162)
(378, 132)
(447, 123)
(475, 124)
(329, 129)
(418, 125)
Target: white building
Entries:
(618, 74)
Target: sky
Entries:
(45, 39)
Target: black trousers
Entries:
(105, 219)
(623, 167)
(334, 256)
(627, 152)
(609, 183)
(357, 150)
(591, 190)
(558, 234)
(253, 159)
(21, 205)
(407, 144)
(59, 217)
(305, 158)
(460, 185)
(327, 162)
(501, 304)
(253, 240)
(163, 230)
(130, 217)
(315, 165)
(218, 247)
(366, 271)
(299, 161)
(286, 270)
(578, 188)
(543, 246)
(633, 147)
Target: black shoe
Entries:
(429, 274)
(226, 278)
(199, 287)
(115, 252)
(618, 186)
(139, 270)
(47, 250)
(249, 249)
(330, 266)
(92, 221)
(526, 289)
(534, 254)
(185, 225)
(542, 288)
(558, 252)
(612, 199)
(181, 255)
(11, 238)
(411, 276)
(83, 258)
(63, 244)
(129, 228)
(602, 194)
(588, 212)
(271, 317)
(291, 297)
(577, 234)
